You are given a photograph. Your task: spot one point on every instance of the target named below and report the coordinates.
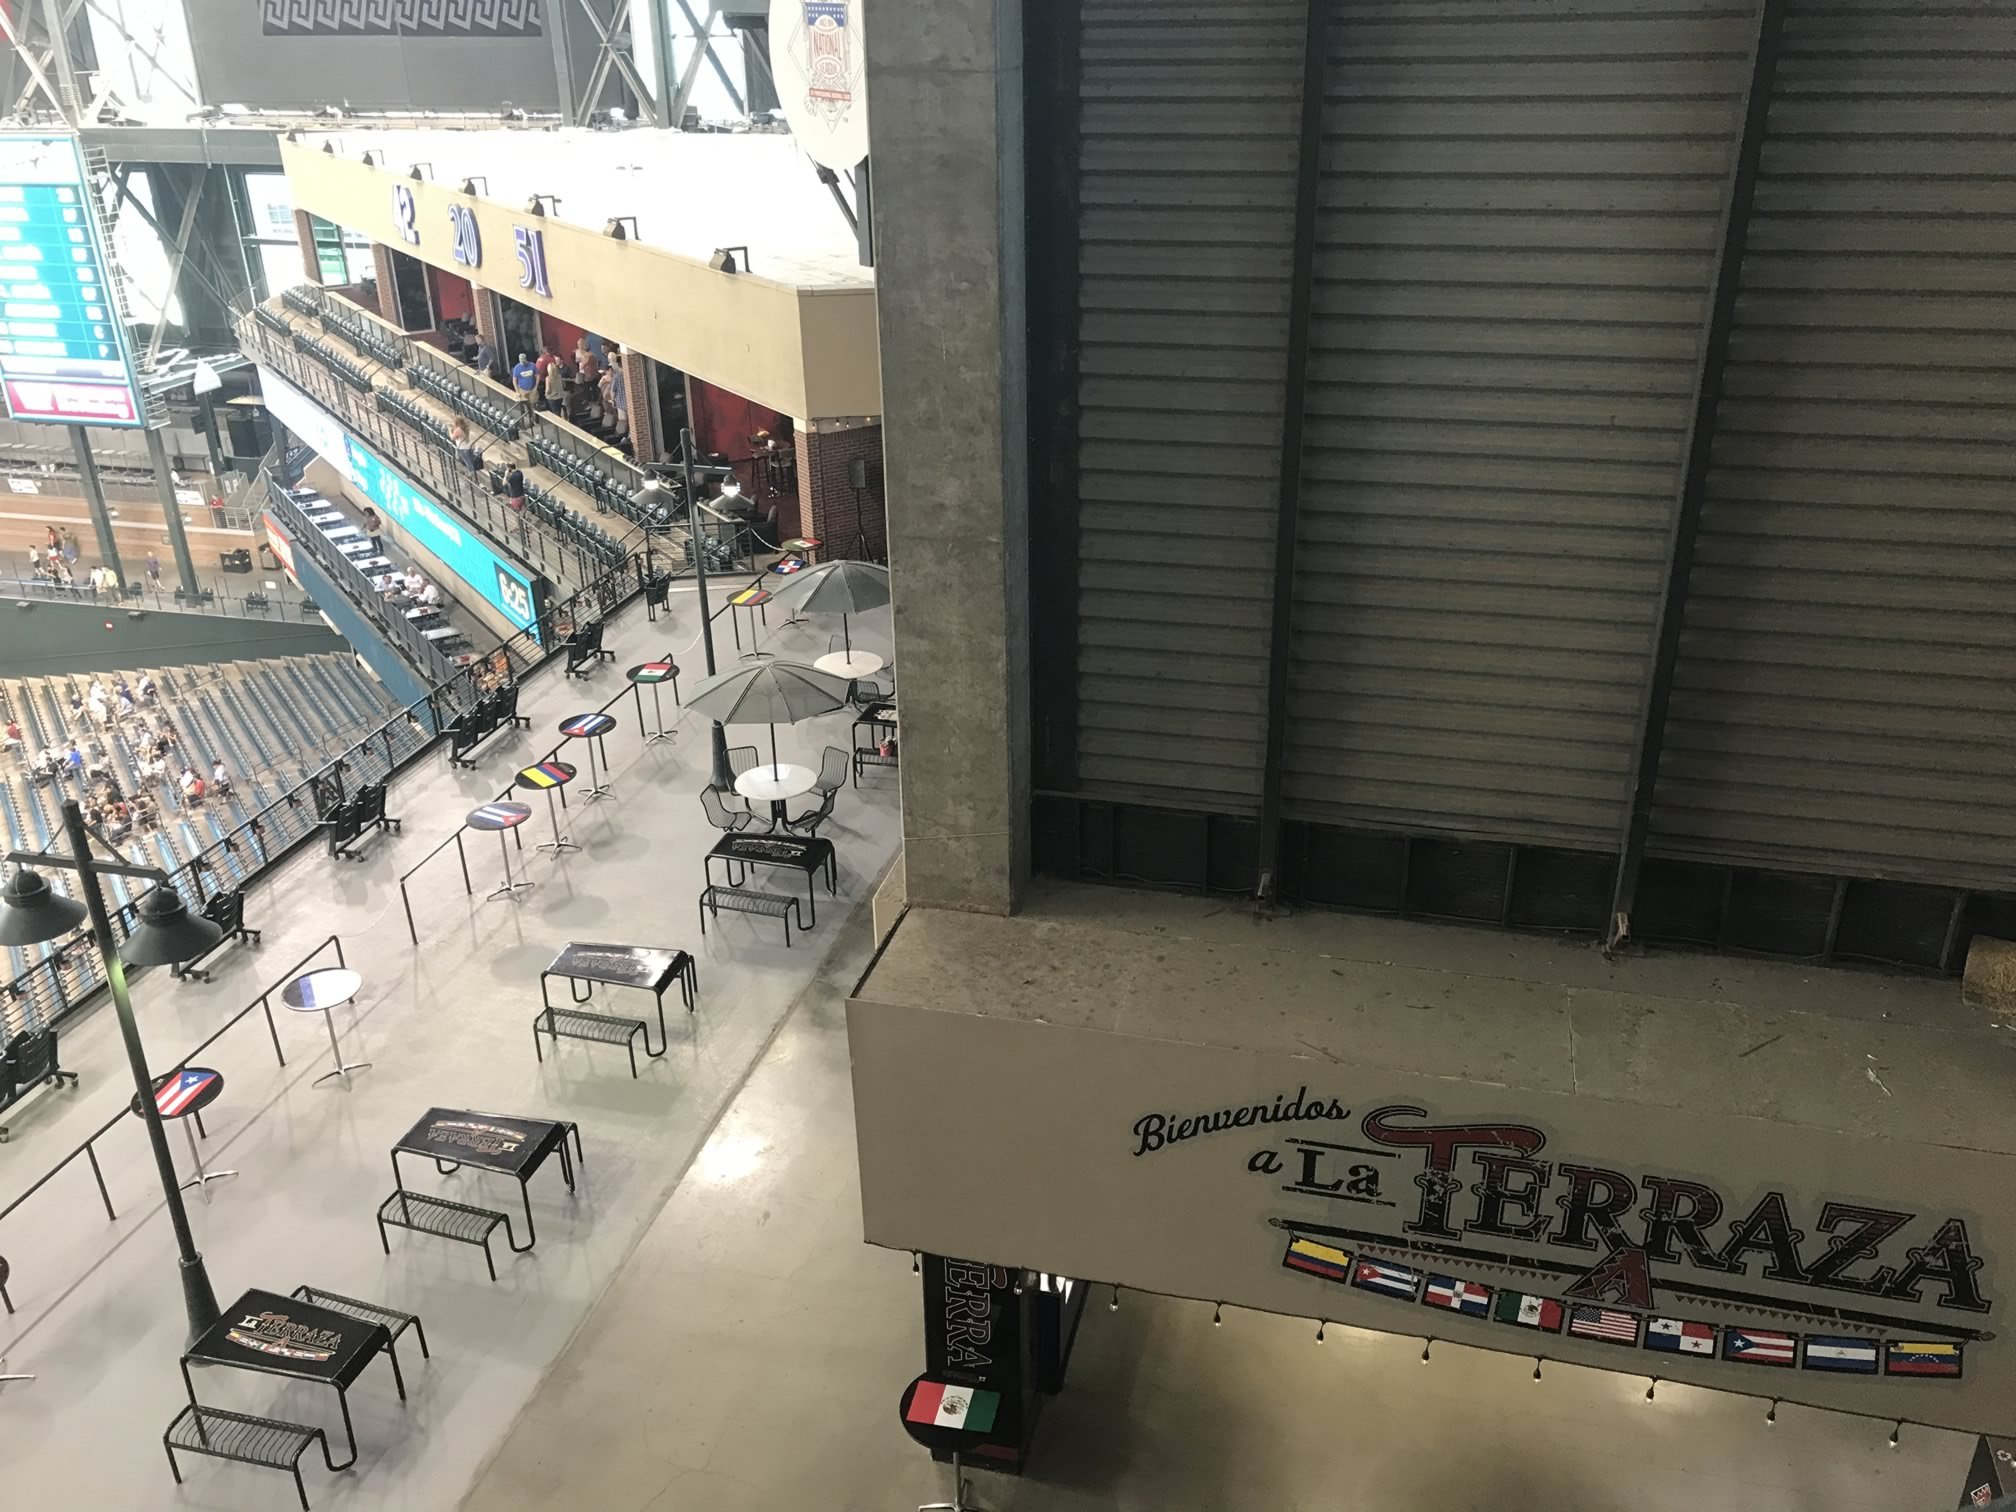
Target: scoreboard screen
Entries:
(65, 355)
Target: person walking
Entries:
(153, 566)
(374, 528)
(70, 547)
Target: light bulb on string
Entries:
(1652, 1388)
(1771, 1417)
(1114, 1305)
(1217, 1314)
(1536, 1367)
(1426, 1345)
(916, 1264)
(1899, 1428)
(1321, 1324)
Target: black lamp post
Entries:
(165, 933)
(652, 496)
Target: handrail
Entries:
(87, 1148)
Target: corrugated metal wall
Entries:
(1519, 214)
(1189, 122)
(1845, 699)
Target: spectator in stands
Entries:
(465, 452)
(586, 369)
(514, 487)
(125, 703)
(192, 788)
(431, 595)
(74, 760)
(153, 566)
(47, 763)
(146, 683)
(144, 813)
(486, 359)
(101, 713)
(220, 778)
(556, 387)
(545, 360)
(525, 379)
(76, 701)
(15, 742)
(374, 528)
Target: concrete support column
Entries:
(388, 285)
(640, 406)
(94, 497)
(952, 312)
(845, 520)
(178, 536)
(311, 255)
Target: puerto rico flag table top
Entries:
(179, 1091)
(938, 1405)
(1458, 1296)
(1757, 1346)
(1857, 1356)
(1678, 1337)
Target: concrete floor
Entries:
(750, 1356)
(100, 1316)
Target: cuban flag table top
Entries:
(581, 725)
(175, 1095)
(1394, 1280)
(1756, 1346)
(938, 1405)
(1922, 1359)
(1458, 1296)
(1825, 1352)
(1679, 1337)
(498, 816)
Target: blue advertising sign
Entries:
(432, 526)
(65, 355)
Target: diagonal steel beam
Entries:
(1691, 486)
(705, 37)
(611, 51)
(175, 267)
(37, 78)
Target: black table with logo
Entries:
(269, 1334)
(517, 1147)
(810, 856)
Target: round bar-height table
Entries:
(776, 783)
(549, 777)
(501, 817)
(319, 992)
(849, 664)
(592, 728)
(185, 1094)
(651, 674)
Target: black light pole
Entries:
(724, 776)
(165, 933)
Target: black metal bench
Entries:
(444, 1219)
(394, 1322)
(865, 757)
(244, 1439)
(598, 1028)
(742, 900)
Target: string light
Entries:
(1771, 1417)
(1536, 1367)
(1321, 1324)
(1217, 1314)
(1649, 1390)
(1895, 1431)
(1114, 1305)
(916, 1266)
(1426, 1345)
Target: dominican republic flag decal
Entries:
(1922, 1359)
(1856, 1356)
(938, 1405)
(1458, 1296)
(1757, 1346)
(1317, 1258)
(179, 1091)
(1608, 1324)
(1393, 1280)
(1678, 1337)
(1528, 1311)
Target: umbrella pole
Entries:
(846, 639)
(773, 751)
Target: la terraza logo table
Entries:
(277, 1334)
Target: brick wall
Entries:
(489, 318)
(640, 404)
(826, 498)
(388, 290)
(311, 261)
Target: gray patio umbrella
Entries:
(841, 588)
(767, 692)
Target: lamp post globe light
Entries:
(654, 495)
(164, 933)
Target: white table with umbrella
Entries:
(844, 588)
(770, 693)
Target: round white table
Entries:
(849, 664)
(775, 783)
(318, 992)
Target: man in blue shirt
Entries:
(525, 378)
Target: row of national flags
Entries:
(1842, 1354)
